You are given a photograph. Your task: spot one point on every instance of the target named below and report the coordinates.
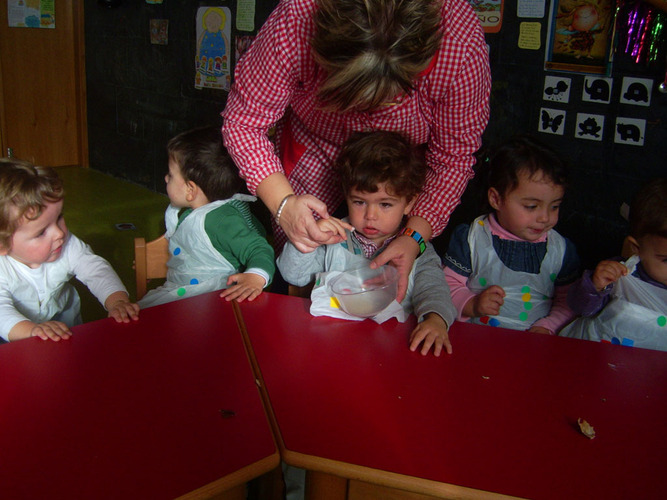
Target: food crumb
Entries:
(586, 428)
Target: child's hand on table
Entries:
(432, 332)
(243, 286)
(51, 330)
(122, 310)
(487, 303)
(606, 273)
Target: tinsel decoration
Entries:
(641, 31)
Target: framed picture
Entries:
(581, 36)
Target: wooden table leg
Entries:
(235, 493)
(321, 486)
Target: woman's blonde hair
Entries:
(24, 192)
(372, 50)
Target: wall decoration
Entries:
(636, 91)
(530, 8)
(589, 127)
(213, 51)
(580, 36)
(245, 15)
(642, 30)
(552, 121)
(529, 35)
(490, 14)
(243, 43)
(557, 89)
(159, 31)
(629, 131)
(31, 14)
(597, 89)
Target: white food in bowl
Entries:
(365, 292)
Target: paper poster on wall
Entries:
(245, 15)
(552, 121)
(597, 89)
(580, 36)
(212, 60)
(159, 29)
(529, 35)
(629, 131)
(490, 14)
(530, 8)
(589, 127)
(557, 89)
(636, 91)
(31, 13)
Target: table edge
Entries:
(241, 476)
(388, 479)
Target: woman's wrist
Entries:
(417, 237)
(279, 212)
(273, 190)
(420, 225)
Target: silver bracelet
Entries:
(281, 206)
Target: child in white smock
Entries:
(215, 242)
(510, 268)
(626, 302)
(38, 257)
(381, 175)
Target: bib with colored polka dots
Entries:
(195, 266)
(635, 316)
(528, 296)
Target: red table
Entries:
(498, 415)
(134, 410)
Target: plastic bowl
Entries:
(365, 292)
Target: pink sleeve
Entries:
(263, 86)
(560, 314)
(460, 292)
(459, 119)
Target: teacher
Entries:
(322, 69)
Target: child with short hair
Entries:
(39, 256)
(381, 175)
(626, 302)
(215, 242)
(510, 268)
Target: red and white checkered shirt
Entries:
(277, 78)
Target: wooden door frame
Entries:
(75, 10)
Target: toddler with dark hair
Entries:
(626, 302)
(215, 242)
(381, 175)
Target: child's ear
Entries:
(408, 207)
(634, 245)
(3, 250)
(191, 190)
(494, 198)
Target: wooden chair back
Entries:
(150, 261)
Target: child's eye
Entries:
(555, 208)
(530, 207)
(386, 205)
(358, 202)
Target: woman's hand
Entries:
(401, 253)
(299, 224)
